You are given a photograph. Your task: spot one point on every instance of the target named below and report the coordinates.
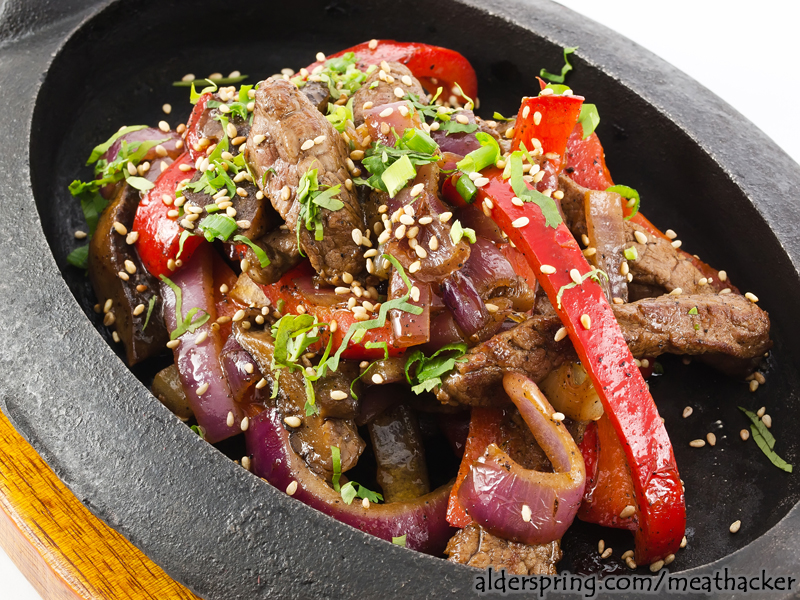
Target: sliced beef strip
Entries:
(726, 324)
(280, 246)
(476, 547)
(209, 127)
(730, 326)
(383, 92)
(318, 94)
(661, 265)
(573, 205)
(287, 120)
(316, 434)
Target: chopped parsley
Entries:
(523, 192)
(237, 107)
(630, 194)
(79, 257)
(765, 441)
(351, 489)
(293, 335)
(150, 305)
(545, 74)
(187, 324)
(311, 196)
(453, 126)
(425, 373)
(594, 275)
(380, 161)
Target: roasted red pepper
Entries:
(159, 234)
(288, 290)
(434, 66)
(484, 429)
(193, 127)
(597, 339)
(586, 161)
(609, 487)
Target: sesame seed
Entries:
(463, 119)
(120, 228)
(767, 420)
(725, 291)
(684, 542)
(185, 167)
(618, 301)
(415, 266)
(307, 145)
(670, 234)
(558, 416)
(338, 395)
(628, 511)
(744, 434)
(202, 389)
(586, 321)
(640, 237)
(702, 281)
(735, 526)
(627, 554)
(417, 190)
(245, 424)
(687, 412)
(399, 92)
(712, 439)
(547, 269)
(373, 44)
(521, 222)
(244, 264)
(238, 316)
(115, 336)
(80, 235)
(230, 421)
(377, 379)
(261, 383)
(481, 182)
(575, 275)
(697, 443)
(172, 344)
(130, 267)
(676, 292)
(677, 244)
(560, 334)
(123, 275)
(517, 202)
(291, 488)
(631, 564)
(656, 566)
(537, 117)
(202, 337)
(751, 296)
(319, 139)
(754, 386)
(386, 112)
(163, 126)
(723, 275)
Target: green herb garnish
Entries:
(589, 119)
(523, 192)
(693, 310)
(339, 115)
(311, 197)
(630, 253)
(399, 540)
(218, 227)
(498, 117)
(485, 156)
(429, 370)
(188, 323)
(340, 74)
(79, 257)
(262, 257)
(217, 81)
(630, 194)
(594, 275)
(765, 441)
(150, 305)
(458, 231)
(545, 74)
(380, 161)
(351, 489)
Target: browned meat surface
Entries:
(475, 547)
(573, 205)
(315, 436)
(383, 92)
(732, 334)
(661, 265)
(109, 255)
(726, 324)
(253, 216)
(528, 348)
(287, 119)
(280, 246)
(209, 127)
(318, 94)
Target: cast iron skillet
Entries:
(71, 73)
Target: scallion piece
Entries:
(466, 189)
(397, 175)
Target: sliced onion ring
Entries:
(522, 505)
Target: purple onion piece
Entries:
(522, 505)
(144, 135)
(463, 300)
(198, 364)
(488, 268)
(472, 216)
(457, 143)
(235, 360)
(422, 521)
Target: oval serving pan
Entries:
(72, 74)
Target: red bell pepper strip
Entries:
(159, 234)
(434, 66)
(484, 429)
(586, 161)
(597, 339)
(193, 135)
(611, 488)
(286, 290)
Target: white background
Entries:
(747, 53)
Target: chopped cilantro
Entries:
(631, 194)
(263, 259)
(237, 107)
(311, 197)
(523, 192)
(545, 74)
(429, 370)
(188, 323)
(594, 275)
(351, 489)
(219, 172)
(458, 231)
(341, 74)
(101, 149)
(765, 440)
(181, 241)
(293, 335)
(453, 126)
(79, 257)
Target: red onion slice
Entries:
(203, 380)
(460, 296)
(422, 521)
(521, 505)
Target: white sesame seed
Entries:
(138, 310)
(735, 526)
(754, 386)
(291, 488)
(526, 111)
(373, 44)
(338, 395)
(547, 269)
(120, 228)
(517, 202)
(415, 266)
(767, 421)
(417, 190)
(575, 275)
(188, 77)
(628, 511)
(586, 321)
(677, 244)
(521, 222)
(526, 513)
(606, 553)
(399, 92)
(558, 416)
(463, 119)
(676, 292)
(725, 291)
(656, 566)
(377, 379)
(744, 434)
(640, 237)
(261, 383)
(670, 234)
(80, 235)
(697, 443)
(687, 412)
(238, 316)
(481, 182)
(230, 421)
(723, 275)
(307, 145)
(386, 112)
(201, 389)
(751, 296)
(172, 344)
(560, 334)
(445, 217)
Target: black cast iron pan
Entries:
(74, 71)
